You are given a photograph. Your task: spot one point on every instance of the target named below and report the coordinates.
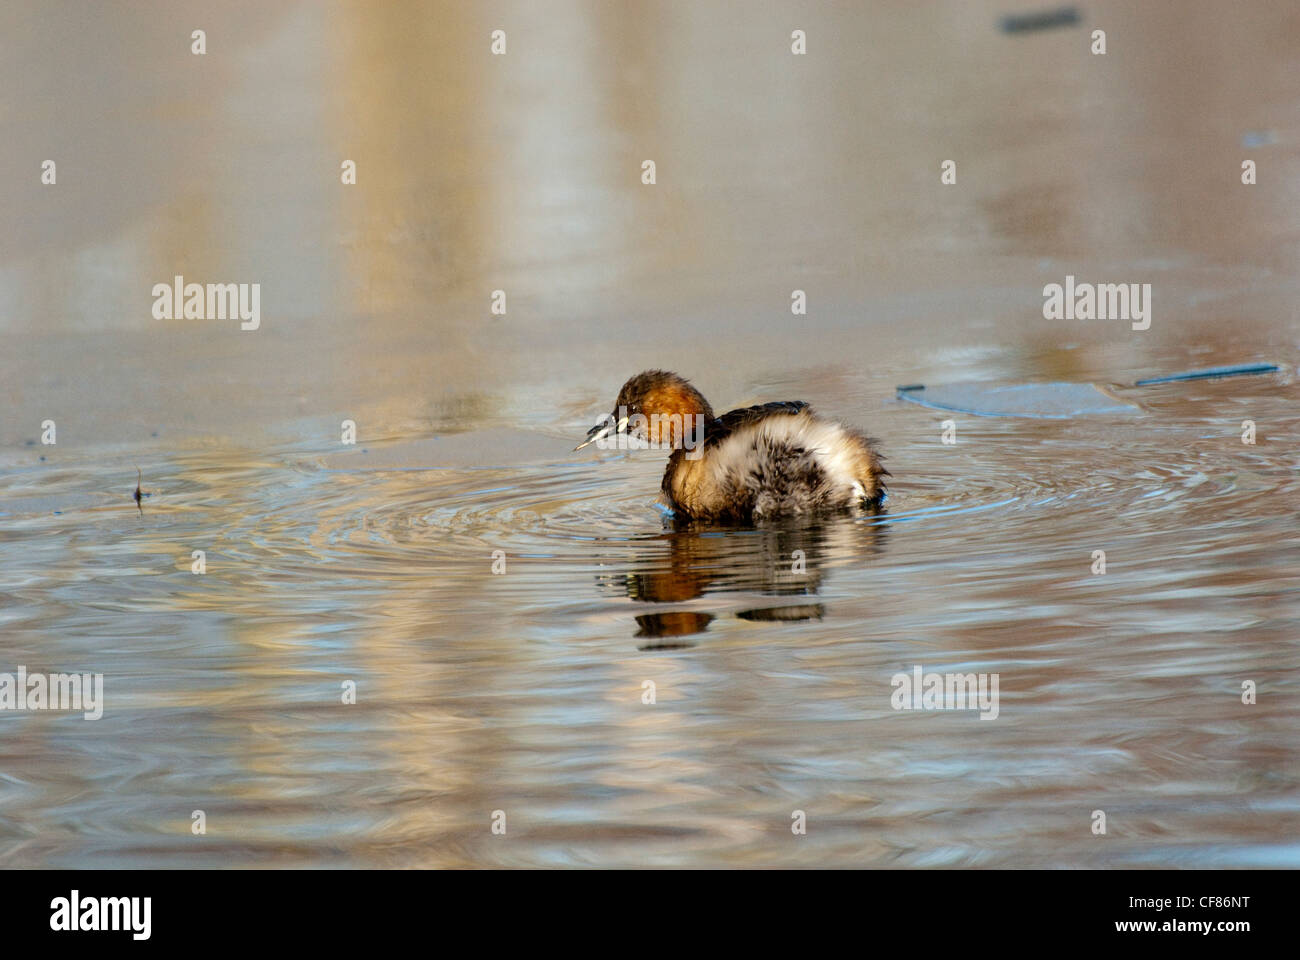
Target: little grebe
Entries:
(773, 460)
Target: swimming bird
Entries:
(756, 463)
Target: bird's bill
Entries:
(600, 431)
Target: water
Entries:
(522, 691)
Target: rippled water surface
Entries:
(501, 602)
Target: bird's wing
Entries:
(733, 420)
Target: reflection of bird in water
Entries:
(675, 623)
(772, 460)
(778, 560)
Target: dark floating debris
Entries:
(808, 611)
(1212, 372)
(139, 497)
(1040, 20)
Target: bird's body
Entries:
(755, 463)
